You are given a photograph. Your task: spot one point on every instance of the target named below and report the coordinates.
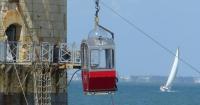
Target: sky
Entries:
(174, 23)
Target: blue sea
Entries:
(138, 94)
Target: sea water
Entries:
(128, 94)
(138, 94)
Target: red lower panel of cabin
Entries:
(99, 81)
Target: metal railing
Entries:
(64, 53)
(46, 52)
(21, 52)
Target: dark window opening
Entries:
(13, 32)
(13, 35)
(13, 1)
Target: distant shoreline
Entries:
(159, 79)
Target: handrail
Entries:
(25, 52)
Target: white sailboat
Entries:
(172, 75)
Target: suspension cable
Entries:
(97, 8)
(68, 84)
(97, 12)
(150, 37)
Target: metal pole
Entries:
(66, 42)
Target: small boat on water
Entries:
(172, 75)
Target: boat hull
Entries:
(164, 89)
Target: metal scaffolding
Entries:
(42, 84)
(42, 57)
(39, 41)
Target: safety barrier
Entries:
(20, 52)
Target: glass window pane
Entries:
(109, 58)
(84, 56)
(113, 58)
(94, 58)
(102, 59)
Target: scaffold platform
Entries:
(27, 53)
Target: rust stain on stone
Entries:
(11, 17)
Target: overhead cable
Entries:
(133, 25)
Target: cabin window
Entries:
(102, 59)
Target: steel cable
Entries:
(150, 37)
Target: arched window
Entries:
(13, 35)
(13, 32)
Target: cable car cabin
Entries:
(98, 63)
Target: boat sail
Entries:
(172, 75)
